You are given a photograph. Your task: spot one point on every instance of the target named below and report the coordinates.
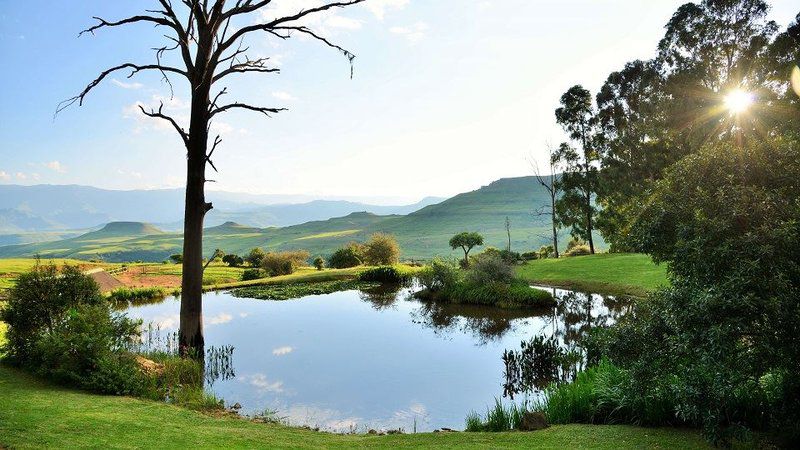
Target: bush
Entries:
(252, 274)
(439, 274)
(547, 251)
(381, 250)
(255, 257)
(319, 263)
(233, 260)
(350, 256)
(530, 256)
(176, 258)
(386, 274)
(488, 268)
(283, 263)
(60, 327)
(579, 250)
(137, 295)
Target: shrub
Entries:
(319, 263)
(490, 268)
(283, 263)
(579, 250)
(509, 256)
(255, 257)
(233, 260)
(439, 274)
(530, 256)
(350, 256)
(137, 295)
(385, 274)
(252, 274)
(176, 258)
(60, 326)
(547, 251)
(381, 250)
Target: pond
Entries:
(352, 361)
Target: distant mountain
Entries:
(46, 208)
(421, 234)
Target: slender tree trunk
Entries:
(590, 225)
(191, 340)
(555, 231)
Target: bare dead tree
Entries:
(210, 50)
(508, 232)
(550, 183)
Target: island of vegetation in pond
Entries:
(297, 290)
(488, 280)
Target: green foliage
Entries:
(233, 260)
(498, 418)
(547, 251)
(489, 268)
(439, 274)
(177, 258)
(381, 249)
(319, 263)
(350, 256)
(252, 274)
(60, 327)
(515, 295)
(297, 290)
(255, 257)
(133, 296)
(529, 256)
(283, 263)
(727, 223)
(466, 241)
(387, 274)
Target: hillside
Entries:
(422, 234)
(28, 212)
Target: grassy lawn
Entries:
(607, 273)
(37, 415)
(10, 269)
(302, 275)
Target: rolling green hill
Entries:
(422, 234)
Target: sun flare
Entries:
(738, 101)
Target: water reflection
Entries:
(373, 359)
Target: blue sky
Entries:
(448, 95)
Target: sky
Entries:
(447, 95)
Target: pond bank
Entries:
(86, 420)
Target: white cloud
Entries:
(281, 95)
(280, 351)
(123, 85)
(5, 176)
(325, 22)
(173, 106)
(343, 22)
(261, 382)
(220, 319)
(21, 176)
(131, 173)
(379, 7)
(56, 166)
(413, 33)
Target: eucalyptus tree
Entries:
(207, 37)
(579, 158)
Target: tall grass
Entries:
(387, 274)
(498, 418)
(135, 296)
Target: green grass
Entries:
(38, 415)
(302, 275)
(605, 273)
(296, 290)
(10, 269)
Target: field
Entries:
(10, 269)
(29, 408)
(608, 273)
(421, 234)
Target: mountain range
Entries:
(422, 233)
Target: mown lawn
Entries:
(606, 273)
(34, 414)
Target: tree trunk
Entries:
(553, 222)
(191, 340)
(589, 224)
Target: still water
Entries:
(351, 361)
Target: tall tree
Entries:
(579, 158)
(549, 182)
(208, 37)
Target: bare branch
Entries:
(350, 56)
(159, 21)
(160, 115)
(265, 111)
(258, 65)
(134, 70)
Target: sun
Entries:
(738, 101)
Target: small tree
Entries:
(466, 241)
(381, 249)
(350, 256)
(233, 260)
(255, 257)
(319, 262)
(176, 258)
(551, 185)
(283, 263)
